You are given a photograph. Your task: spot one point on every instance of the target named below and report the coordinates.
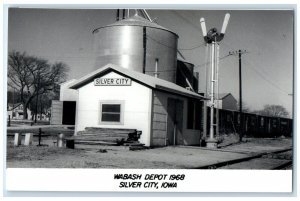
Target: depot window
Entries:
(111, 113)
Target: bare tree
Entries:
(245, 107)
(13, 97)
(33, 76)
(274, 111)
(42, 103)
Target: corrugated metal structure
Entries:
(137, 44)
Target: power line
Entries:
(264, 73)
(160, 42)
(206, 63)
(267, 80)
(256, 71)
(192, 48)
(264, 77)
(187, 20)
(160, 71)
(195, 66)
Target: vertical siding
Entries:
(159, 120)
(56, 112)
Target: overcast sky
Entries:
(267, 36)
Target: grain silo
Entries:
(123, 93)
(138, 44)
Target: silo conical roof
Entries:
(136, 20)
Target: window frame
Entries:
(111, 102)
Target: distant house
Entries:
(44, 117)
(15, 111)
(226, 101)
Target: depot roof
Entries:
(147, 80)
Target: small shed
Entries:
(226, 101)
(115, 97)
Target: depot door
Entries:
(69, 112)
(175, 117)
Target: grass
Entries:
(37, 152)
(107, 157)
(50, 156)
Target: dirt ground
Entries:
(254, 145)
(96, 156)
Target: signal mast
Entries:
(212, 38)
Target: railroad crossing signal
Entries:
(213, 37)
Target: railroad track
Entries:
(276, 160)
(286, 166)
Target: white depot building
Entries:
(138, 83)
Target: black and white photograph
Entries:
(171, 89)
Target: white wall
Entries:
(67, 94)
(219, 104)
(137, 106)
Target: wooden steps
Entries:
(87, 142)
(109, 130)
(100, 137)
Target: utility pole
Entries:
(241, 107)
(239, 53)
